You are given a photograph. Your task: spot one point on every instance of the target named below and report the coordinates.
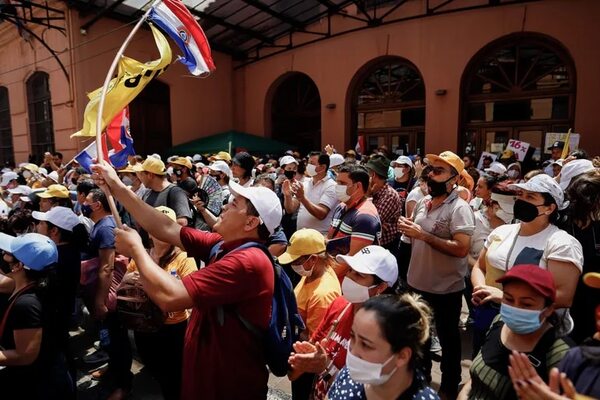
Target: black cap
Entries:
(244, 160)
(557, 144)
(379, 164)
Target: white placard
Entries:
(483, 155)
(552, 137)
(519, 148)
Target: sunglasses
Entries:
(439, 170)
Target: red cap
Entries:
(539, 279)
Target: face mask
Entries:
(437, 189)
(353, 292)
(177, 172)
(4, 266)
(525, 211)
(26, 174)
(299, 269)
(86, 210)
(504, 216)
(289, 174)
(311, 170)
(513, 174)
(366, 372)
(74, 181)
(398, 172)
(520, 321)
(127, 181)
(340, 192)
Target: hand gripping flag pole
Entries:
(111, 71)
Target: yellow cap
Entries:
(592, 279)
(152, 165)
(222, 155)
(31, 167)
(128, 168)
(302, 243)
(58, 191)
(449, 158)
(183, 161)
(168, 212)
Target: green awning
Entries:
(221, 142)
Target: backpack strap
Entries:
(215, 255)
(13, 300)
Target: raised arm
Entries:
(154, 222)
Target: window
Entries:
(519, 87)
(6, 143)
(389, 107)
(41, 130)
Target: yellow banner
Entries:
(131, 79)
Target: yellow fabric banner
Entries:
(132, 77)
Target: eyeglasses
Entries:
(439, 170)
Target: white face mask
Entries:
(311, 170)
(340, 192)
(353, 292)
(504, 216)
(127, 181)
(513, 173)
(366, 372)
(299, 269)
(26, 174)
(398, 172)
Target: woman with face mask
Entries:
(526, 324)
(317, 289)
(536, 240)
(33, 364)
(370, 272)
(387, 338)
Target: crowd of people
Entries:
(382, 251)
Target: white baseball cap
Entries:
(542, 183)
(335, 160)
(373, 260)
(62, 217)
(285, 160)
(264, 200)
(573, 169)
(403, 160)
(559, 162)
(7, 177)
(496, 168)
(220, 166)
(22, 190)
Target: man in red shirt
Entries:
(222, 358)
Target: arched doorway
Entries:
(519, 87)
(296, 112)
(387, 107)
(150, 119)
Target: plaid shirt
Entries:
(389, 206)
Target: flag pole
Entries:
(565, 151)
(111, 71)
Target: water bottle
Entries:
(173, 273)
(104, 338)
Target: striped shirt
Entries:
(360, 222)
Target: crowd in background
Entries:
(382, 250)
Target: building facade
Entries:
(468, 77)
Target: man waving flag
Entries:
(175, 19)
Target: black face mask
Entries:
(525, 211)
(4, 265)
(437, 189)
(289, 174)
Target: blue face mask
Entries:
(519, 320)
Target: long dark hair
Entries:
(584, 199)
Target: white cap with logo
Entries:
(542, 183)
(264, 200)
(373, 260)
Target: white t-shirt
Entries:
(323, 192)
(414, 195)
(505, 248)
(482, 231)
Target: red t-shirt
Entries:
(226, 361)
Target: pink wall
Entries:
(440, 47)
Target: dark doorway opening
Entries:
(150, 119)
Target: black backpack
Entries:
(286, 323)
